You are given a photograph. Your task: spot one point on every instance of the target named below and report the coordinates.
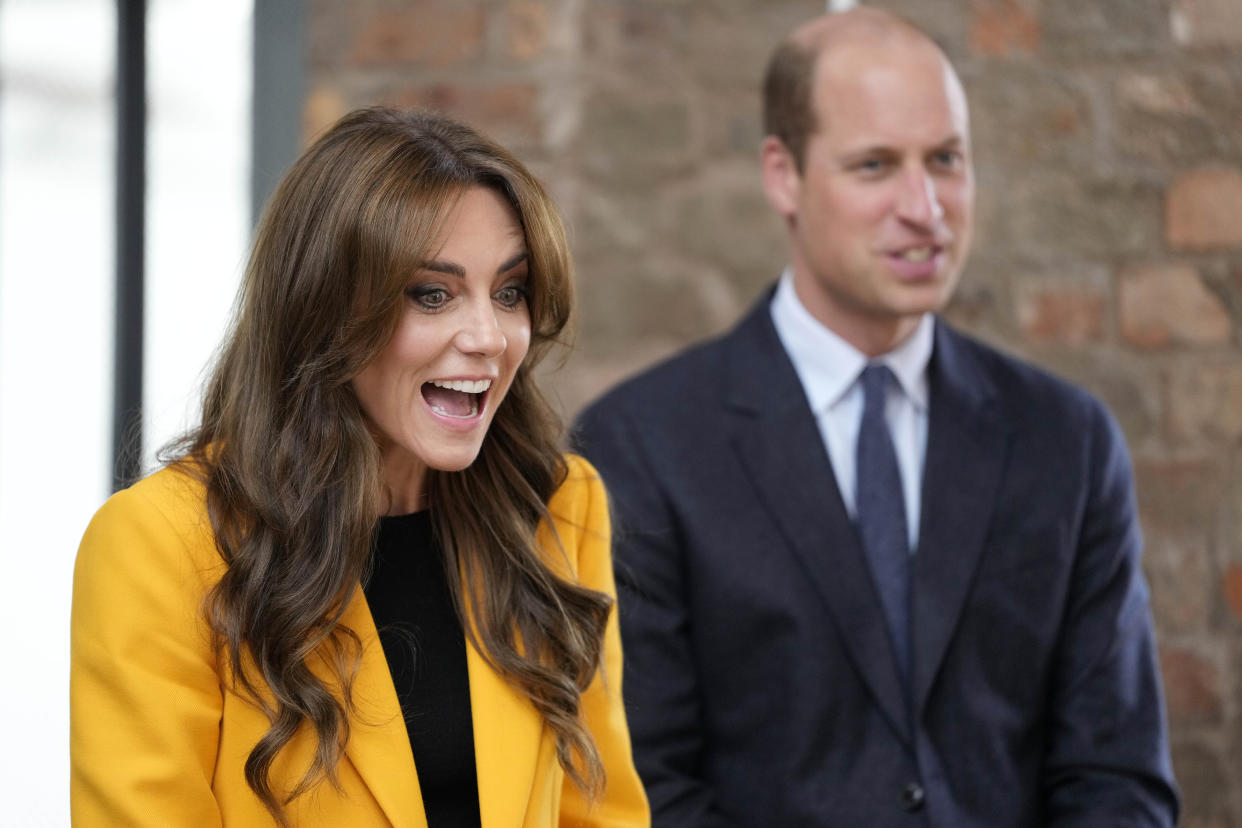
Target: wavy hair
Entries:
(292, 472)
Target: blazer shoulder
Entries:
(581, 485)
(689, 371)
(165, 512)
(579, 526)
(1026, 392)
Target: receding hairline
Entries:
(831, 32)
(833, 44)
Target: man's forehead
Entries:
(895, 106)
(913, 80)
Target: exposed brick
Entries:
(750, 38)
(1207, 22)
(324, 107)
(1162, 305)
(1062, 310)
(1180, 116)
(1204, 403)
(1177, 568)
(527, 34)
(1192, 686)
(1003, 27)
(633, 138)
(635, 31)
(1157, 94)
(1053, 123)
(505, 111)
(1204, 781)
(1204, 209)
(1233, 589)
(428, 32)
(978, 305)
(1177, 494)
(618, 323)
(1055, 215)
(1076, 29)
(710, 210)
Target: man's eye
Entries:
(430, 298)
(948, 159)
(511, 296)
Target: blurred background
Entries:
(1108, 142)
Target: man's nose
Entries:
(918, 202)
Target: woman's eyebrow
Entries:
(453, 269)
(514, 262)
(447, 268)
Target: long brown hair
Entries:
(293, 474)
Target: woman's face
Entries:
(431, 393)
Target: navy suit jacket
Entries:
(760, 684)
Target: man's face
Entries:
(880, 216)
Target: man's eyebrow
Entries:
(453, 269)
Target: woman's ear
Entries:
(781, 180)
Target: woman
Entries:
(373, 455)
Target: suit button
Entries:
(912, 796)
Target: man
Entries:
(902, 596)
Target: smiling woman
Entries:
(367, 589)
(433, 390)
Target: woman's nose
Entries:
(480, 333)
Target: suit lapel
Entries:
(507, 736)
(782, 449)
(507, 740)
(379, 746)
(966, 449)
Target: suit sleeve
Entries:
(1107, 761)
(623, 805)
(145, 698)
(663, 691)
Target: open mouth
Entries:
(918, 254)
(459, 399)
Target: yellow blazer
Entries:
(158, 738)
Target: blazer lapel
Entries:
(966, 449)
(379, 746)
(507, 738)
(782, 448)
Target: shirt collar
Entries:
(828, 366)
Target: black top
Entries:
(426, 652)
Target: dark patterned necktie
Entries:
(881, 508)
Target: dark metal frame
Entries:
(131, 175)
(279, 94)
(278, 66)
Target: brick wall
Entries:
(1109, 151)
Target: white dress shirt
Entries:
(829, 369)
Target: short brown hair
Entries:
(788, 111)
(789, 83)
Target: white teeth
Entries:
(916, 254)
(469, 386)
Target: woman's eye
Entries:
(430, 298)
(511, 296)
